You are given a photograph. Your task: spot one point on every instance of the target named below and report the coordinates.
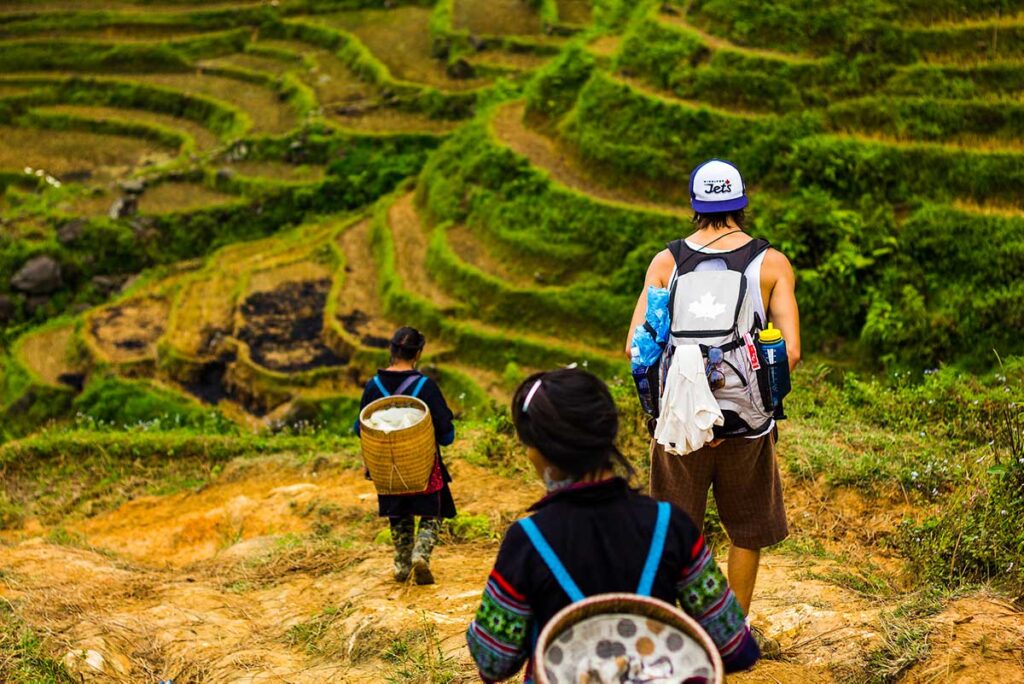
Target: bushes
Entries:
(660, 52)
(897, 174)
(635, 133)
(118, 402)
(598, 314)
(473, 344)
(929, 118)
(814, 26)
(474, 181)
(977, 535)
(948, 299)
(550, 94)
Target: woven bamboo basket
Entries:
(399, 462)
(637, 625)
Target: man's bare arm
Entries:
(783, 311)
(658, 274)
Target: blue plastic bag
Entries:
(648, 344)
(649, 339)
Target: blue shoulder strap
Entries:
(422, 380)
(656, 550)
(552, 561)
(419, 386)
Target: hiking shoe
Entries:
(402, 571)
(771, 649)
(421, 571)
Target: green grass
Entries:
(416, 657)
(25, 657)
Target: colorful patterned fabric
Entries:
(704, 593)
(499, 636)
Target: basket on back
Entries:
(400, 461)
(625, 638)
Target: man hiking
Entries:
(739, 461)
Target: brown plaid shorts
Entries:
(746, 481)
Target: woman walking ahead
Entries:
(598, 528)
(412, 547)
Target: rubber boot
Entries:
(425, 540)
(402, 535)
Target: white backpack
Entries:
(713, 308)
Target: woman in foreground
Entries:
(598, 527)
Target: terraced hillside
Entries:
(213, 215)
(142, 138)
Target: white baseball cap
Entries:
(716, 186)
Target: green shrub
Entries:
(118, 402)
(977, 536)
(551, 92)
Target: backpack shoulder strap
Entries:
(419, 386)
(407, 383)
(551, 559)
(380, 386)
(654, 554)
(746, 254)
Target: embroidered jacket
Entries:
(600, 531)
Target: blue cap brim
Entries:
(703, 207)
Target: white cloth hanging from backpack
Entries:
(689, 411)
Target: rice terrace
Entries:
(214, 216)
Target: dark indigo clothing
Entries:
(439, 504)
(601, 532)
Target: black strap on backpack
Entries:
(739, 259)
(688, 259)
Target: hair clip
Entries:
(529, 395)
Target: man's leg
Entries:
(683, 480)
(742, 572)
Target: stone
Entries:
(460, 69)
(108, 284)
(69, 231)
(39, 275)
(123, 207)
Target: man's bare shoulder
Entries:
(661, 268)
(776, 263)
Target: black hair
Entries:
(720, 219)
(406, 343)
(571, 420)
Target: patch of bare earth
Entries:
(49, 355)
(129, 332)
(976, 639)
(224, 584)
(359, 308)
(411, 251)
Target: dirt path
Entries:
(411, 251)
(559, 163)
(359, 307)
(277, 572)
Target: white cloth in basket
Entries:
(392, 419)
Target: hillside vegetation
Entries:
(213, 215)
